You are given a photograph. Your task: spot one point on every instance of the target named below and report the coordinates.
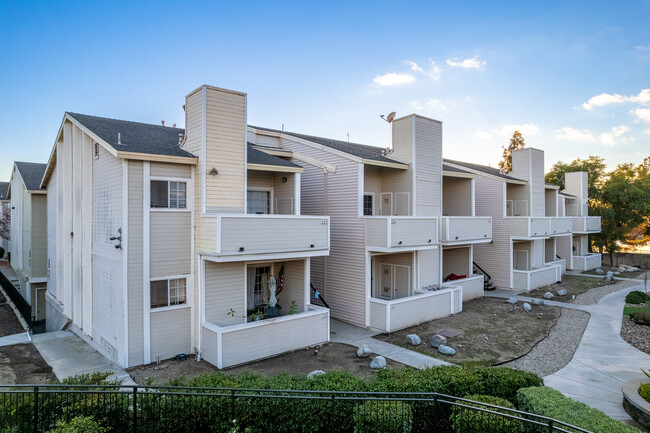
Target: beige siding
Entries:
(403, 259)
(403, 140)
(135, 265)
(283, 194)
(395, 181)
(422, 308)
(456, 196)
(538, 258)
(170, 242)
(312, 202)
(472, 287)
(372, 184)
(537, 183)
(27, 232)
(51, 233)
(260, 179)
(378, 315)
(170, 333)
(225, 288)
(265, 140)
(294, 285)
(170, 170)
(456, 260)
(429, 267)
(549, 250)
(550, 207)
(428, 167)
(577, 185)
(39, 235)
(455, 229)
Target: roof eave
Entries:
(275, 168)
(458, 174)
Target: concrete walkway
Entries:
(342, 332)
(69, 355)
(10, 340)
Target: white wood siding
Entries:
(225, 288)
(428, 167)
(170, 241)
(456, 260)
(135, 265)
(170, 170)
(429, 267)
(456, 196)
(51, 233)
(170, 333)
(472, 287)
(294, 285)
(457, 229)
(39, 235)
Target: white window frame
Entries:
(363, 204)
(270, 265)
(169, 180)
(261, 189)
(169, 306)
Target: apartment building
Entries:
(28, 233)
(5, 207)
(532, 237)
(167, 241)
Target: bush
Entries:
(381, 416)
(551, 403)
(636, 297)
(468, 420)
(641, 317)
(80, 424)
(2, 252)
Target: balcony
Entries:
(394, 233)
(561, 225)
(270, 236)
(535, 278)
(586, 224)
(464, 229)
(530, 227)
(587, 263)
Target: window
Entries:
(168, 194)
(259, 202)
(368, 204)
(166, 293)
(258, 285)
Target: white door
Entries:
(402, 203)
(402, 280)
(387, 203)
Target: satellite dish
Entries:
(390, 117)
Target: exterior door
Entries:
(402, 281)
(387, 203)
(386, 282)
(40, 304)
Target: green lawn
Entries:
(629, 310)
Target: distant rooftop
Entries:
(32, 174)
(484, 169)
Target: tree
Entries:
(516, 143)
(594, 166)
(5, 222)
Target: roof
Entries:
(484, 169)
(134, 136)
(446, 167)
(566, 194)
(4, 186)
(258, 157)
(365, 151)
(551, 185)
(32, 174)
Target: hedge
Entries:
(636, 297)
(381, 416)
(468, 420)
(551, 403)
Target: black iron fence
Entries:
(27, 408)
(21, 303)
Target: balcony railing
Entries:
(586, 224)
(465, 229)
(529, 227)
(535, 278)
(587, 263)
(399, 232)
(561, 225)
(238, 235)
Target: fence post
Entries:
(550, 426)
(435, 411)
(332, 412)
(36, 409)
(135, 409)
(232, 406)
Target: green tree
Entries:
(516, 143)
(594, 166)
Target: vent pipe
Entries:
(119, 138)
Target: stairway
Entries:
(487, 280)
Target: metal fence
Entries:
(21, 303)
(28, 408)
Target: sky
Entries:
(573, 77)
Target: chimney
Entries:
(576, 183)
(163, 122)
(528, 164)
(174, 125)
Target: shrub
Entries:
(641, 317)
(504, 382)
(2, 252)
(636, 297)
(382, 416)
(468, 420)
(551, 403)
(96, 378)
(80, 424)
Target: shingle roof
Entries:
(258, 157)
(566, 194)
(551, 185)
(32, 174)
(484, 169)
(446, 167)
(365, 151)
(4, 186)
(134, 136)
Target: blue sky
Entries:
(573, 76)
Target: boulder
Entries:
(315, 373)
(378, 362)
(561, 292)
(600, 271)
(616, 273)
(512, 300)
(527, 307)
(364, 351)
(437, 340)
(608, 277)
(549, 295)
(446, 350)
(537, 301)
(413, 339)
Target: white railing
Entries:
(258, 234)
(392, 315)
(587, 263)
(561, 225)
(472, 286)
(465, 228)
(535, 278)
(399, 232)
(558, 262)
(528, 227)
(225, 346)
(586, 224)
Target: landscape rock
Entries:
(527, 307)
(561, 292)
(549, 295)
(512, 300)
(364, 351)
(608, 277)
(537, 301)
(446, 350)
(315, 373)
(437, 340)
(413, 339)
(600, 271)
(378, 362)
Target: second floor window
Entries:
(259, 202)
(368, 204)
(168, 194)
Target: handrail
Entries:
(318, 295)
(481, 269)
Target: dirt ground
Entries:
(634, 274)
(491, 332)
(331, 357)
(22, 364)
(574, 286)
(9, 323)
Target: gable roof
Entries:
(566, 194)
(32, 173)
(364, 151)
(4, 187)
(135, 137)
(446, 167)
(256, 156)
(484, 169)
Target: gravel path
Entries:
(594, 295)
(556, 350)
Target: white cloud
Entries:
(433, 73)
(607, 139)
(473, 63)
(572, 134)
(483, 135)
(608, 98)
(620, 130)
(642, 47)
(585, 135)
(524, 128)
(393, 79)
(436, 104)
(642, 114)
(414, 66)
